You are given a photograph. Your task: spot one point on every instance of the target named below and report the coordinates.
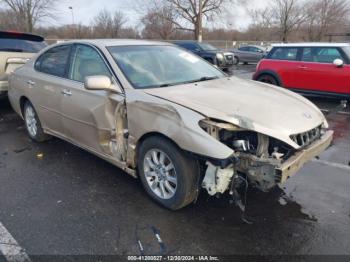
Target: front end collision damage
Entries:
(263, 161)
(229, 154)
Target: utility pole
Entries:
(73, 24)
(71, 8)
(200, 21)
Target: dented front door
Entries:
(88, 116)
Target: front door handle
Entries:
(66, 92)
(303, 67)
(30, 82)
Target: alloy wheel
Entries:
(31, 121)
(160, 173)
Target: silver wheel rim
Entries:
(160, 173)
(31, 122)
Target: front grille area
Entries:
(305, 139)
(229, 57)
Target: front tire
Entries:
(32, 123)
(167, 174)
(268, 79)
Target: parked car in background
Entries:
(223, 59)
(308, 68)
(248, 54)
(179, 126)
(15, 50)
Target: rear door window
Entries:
(285, 53)
(54, 61)
(245, 48)
(321, 54)
(254, 49)
(17, 45)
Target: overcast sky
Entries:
(85, 10)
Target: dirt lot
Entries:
(56, 199)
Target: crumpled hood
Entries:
(266, 109)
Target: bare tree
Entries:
(157, 23)
(186, 14)
(119, 20)
(262, 24)
(106, 25)
(288, 15)
(8, 20)
(189, 17)
(29, 12)
(324, 16)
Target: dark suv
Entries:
(222, 59)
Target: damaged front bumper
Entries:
(294, 163)
(263, 173)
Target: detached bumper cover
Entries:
(295, 163)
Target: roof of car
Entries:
(20, 35)
(185, 41)
(117, 42)
(311, 44)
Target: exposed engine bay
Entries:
(257, 158)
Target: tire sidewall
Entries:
(40, 136)
(184, 185)
(269, 76)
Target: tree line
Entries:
(279, 20)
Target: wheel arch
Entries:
(271, 73)
(144, 137)
(22, 102)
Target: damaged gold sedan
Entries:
(168, 117)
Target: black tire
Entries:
(269, 79)
(39, 135)
(236, 60)
(187, 173)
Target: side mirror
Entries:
(99, 82)
(338, 62)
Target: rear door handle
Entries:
(66, 92)
(30, 82)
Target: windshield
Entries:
(161, 66)
(20, 45)
(207, 47)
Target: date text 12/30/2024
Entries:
(173, 258)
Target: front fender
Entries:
(149, 114)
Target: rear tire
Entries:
(32, 123)
(268, 79)
(167, 174)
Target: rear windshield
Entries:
(20, 45)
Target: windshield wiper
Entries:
(205, 78)
(202, 79)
